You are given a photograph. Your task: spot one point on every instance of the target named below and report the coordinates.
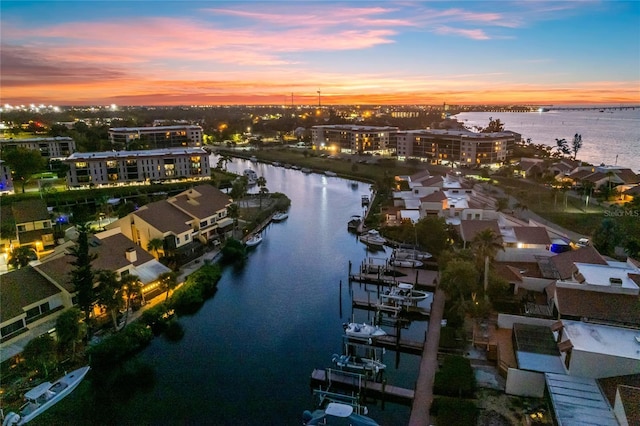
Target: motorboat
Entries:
(406, 263)
(253, 159)
(373, 238)
(330, 173)
(254, 240)
(354, 222)
(252, 176)
(403, 253)
(305, 170)
(336, 413)
(280, 216)
(43, 396)
(404, 293)
(351, 362)
(363, 331)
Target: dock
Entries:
(395, 310)
(382, 390)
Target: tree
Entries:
(82, 274)
(132, 288)
(576, 144)
(262, 183)
(494, 126)
(168, 281)
(21, 256)
(154, 245)
(233, 211)
(459, 280)
(486, 245)
(432, 234)
(24, 163)
(606, 236)
(239, 188)
(563, 146)
(69, 329)
(40, 353)
(110, 294)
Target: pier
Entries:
(365, 388)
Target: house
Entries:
(6, 181)
(31, 298)
(33, 224)
(185, 223)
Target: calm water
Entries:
(247, 355)
(607, 137)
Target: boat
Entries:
(253, 159)
(373, 238)
(404, 293)
(254, 240)
(336, 413)
(280, 216)
(350, 362)
(306, 170)
(403, 253)
(43, 396)
(276, 163)
(330, 173)
(252, 177)
(406, 263)
(365, 200)
(354, 222)
(363, 331)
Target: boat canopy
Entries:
(338, 410)
(34, 393)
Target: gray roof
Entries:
(22, 287)
(578, 401)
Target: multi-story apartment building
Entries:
(114, 167)
(351, 138)
(461, 147)
(51, 148)
(157, 137)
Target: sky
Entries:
(285, 52)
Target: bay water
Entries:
(609, 135)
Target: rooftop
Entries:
(603, 339)
(129, 154)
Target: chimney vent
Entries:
(131, 254)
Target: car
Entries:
(583, 242)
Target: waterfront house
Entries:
(31, 298)
(185, 223)
(33, 225)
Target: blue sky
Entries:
(209, 52)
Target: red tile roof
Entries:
(469, 228)
(563, 262)
(609, 307)
(532, 235)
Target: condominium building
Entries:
(350, 138)
(51, 148)
(157, 137)
(114, 167)
(461, 147)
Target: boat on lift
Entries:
(356, 363)
(336, 413)
(363, 331)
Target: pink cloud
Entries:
(475, 34)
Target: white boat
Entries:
(252, 177)
(330, 173)
(400, 253)
(406, 263)
(373, 238)
(357, 363)
(254, 240)
(306, 170)
(280, 216)
(43, 396)
(253, 159)
(333, 413)
(354, 222)
(363, 331)
(404, 293)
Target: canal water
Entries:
(248, 353)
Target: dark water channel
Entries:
(248, 353)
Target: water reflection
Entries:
(248, 354)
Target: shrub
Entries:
(174, 331)
(112, 350)
(455, 378)
(454, 411)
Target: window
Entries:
(12, 328)
(22, 228)
(203, 224)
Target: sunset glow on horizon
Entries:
(279, 53)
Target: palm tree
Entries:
(168, 281)
(21, 256)
(132, 288)
(110, 294)
(70, 329)
(486, 244)
(233, 211)
(154, 245)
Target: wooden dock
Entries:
(375, 305)
(379, 390)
